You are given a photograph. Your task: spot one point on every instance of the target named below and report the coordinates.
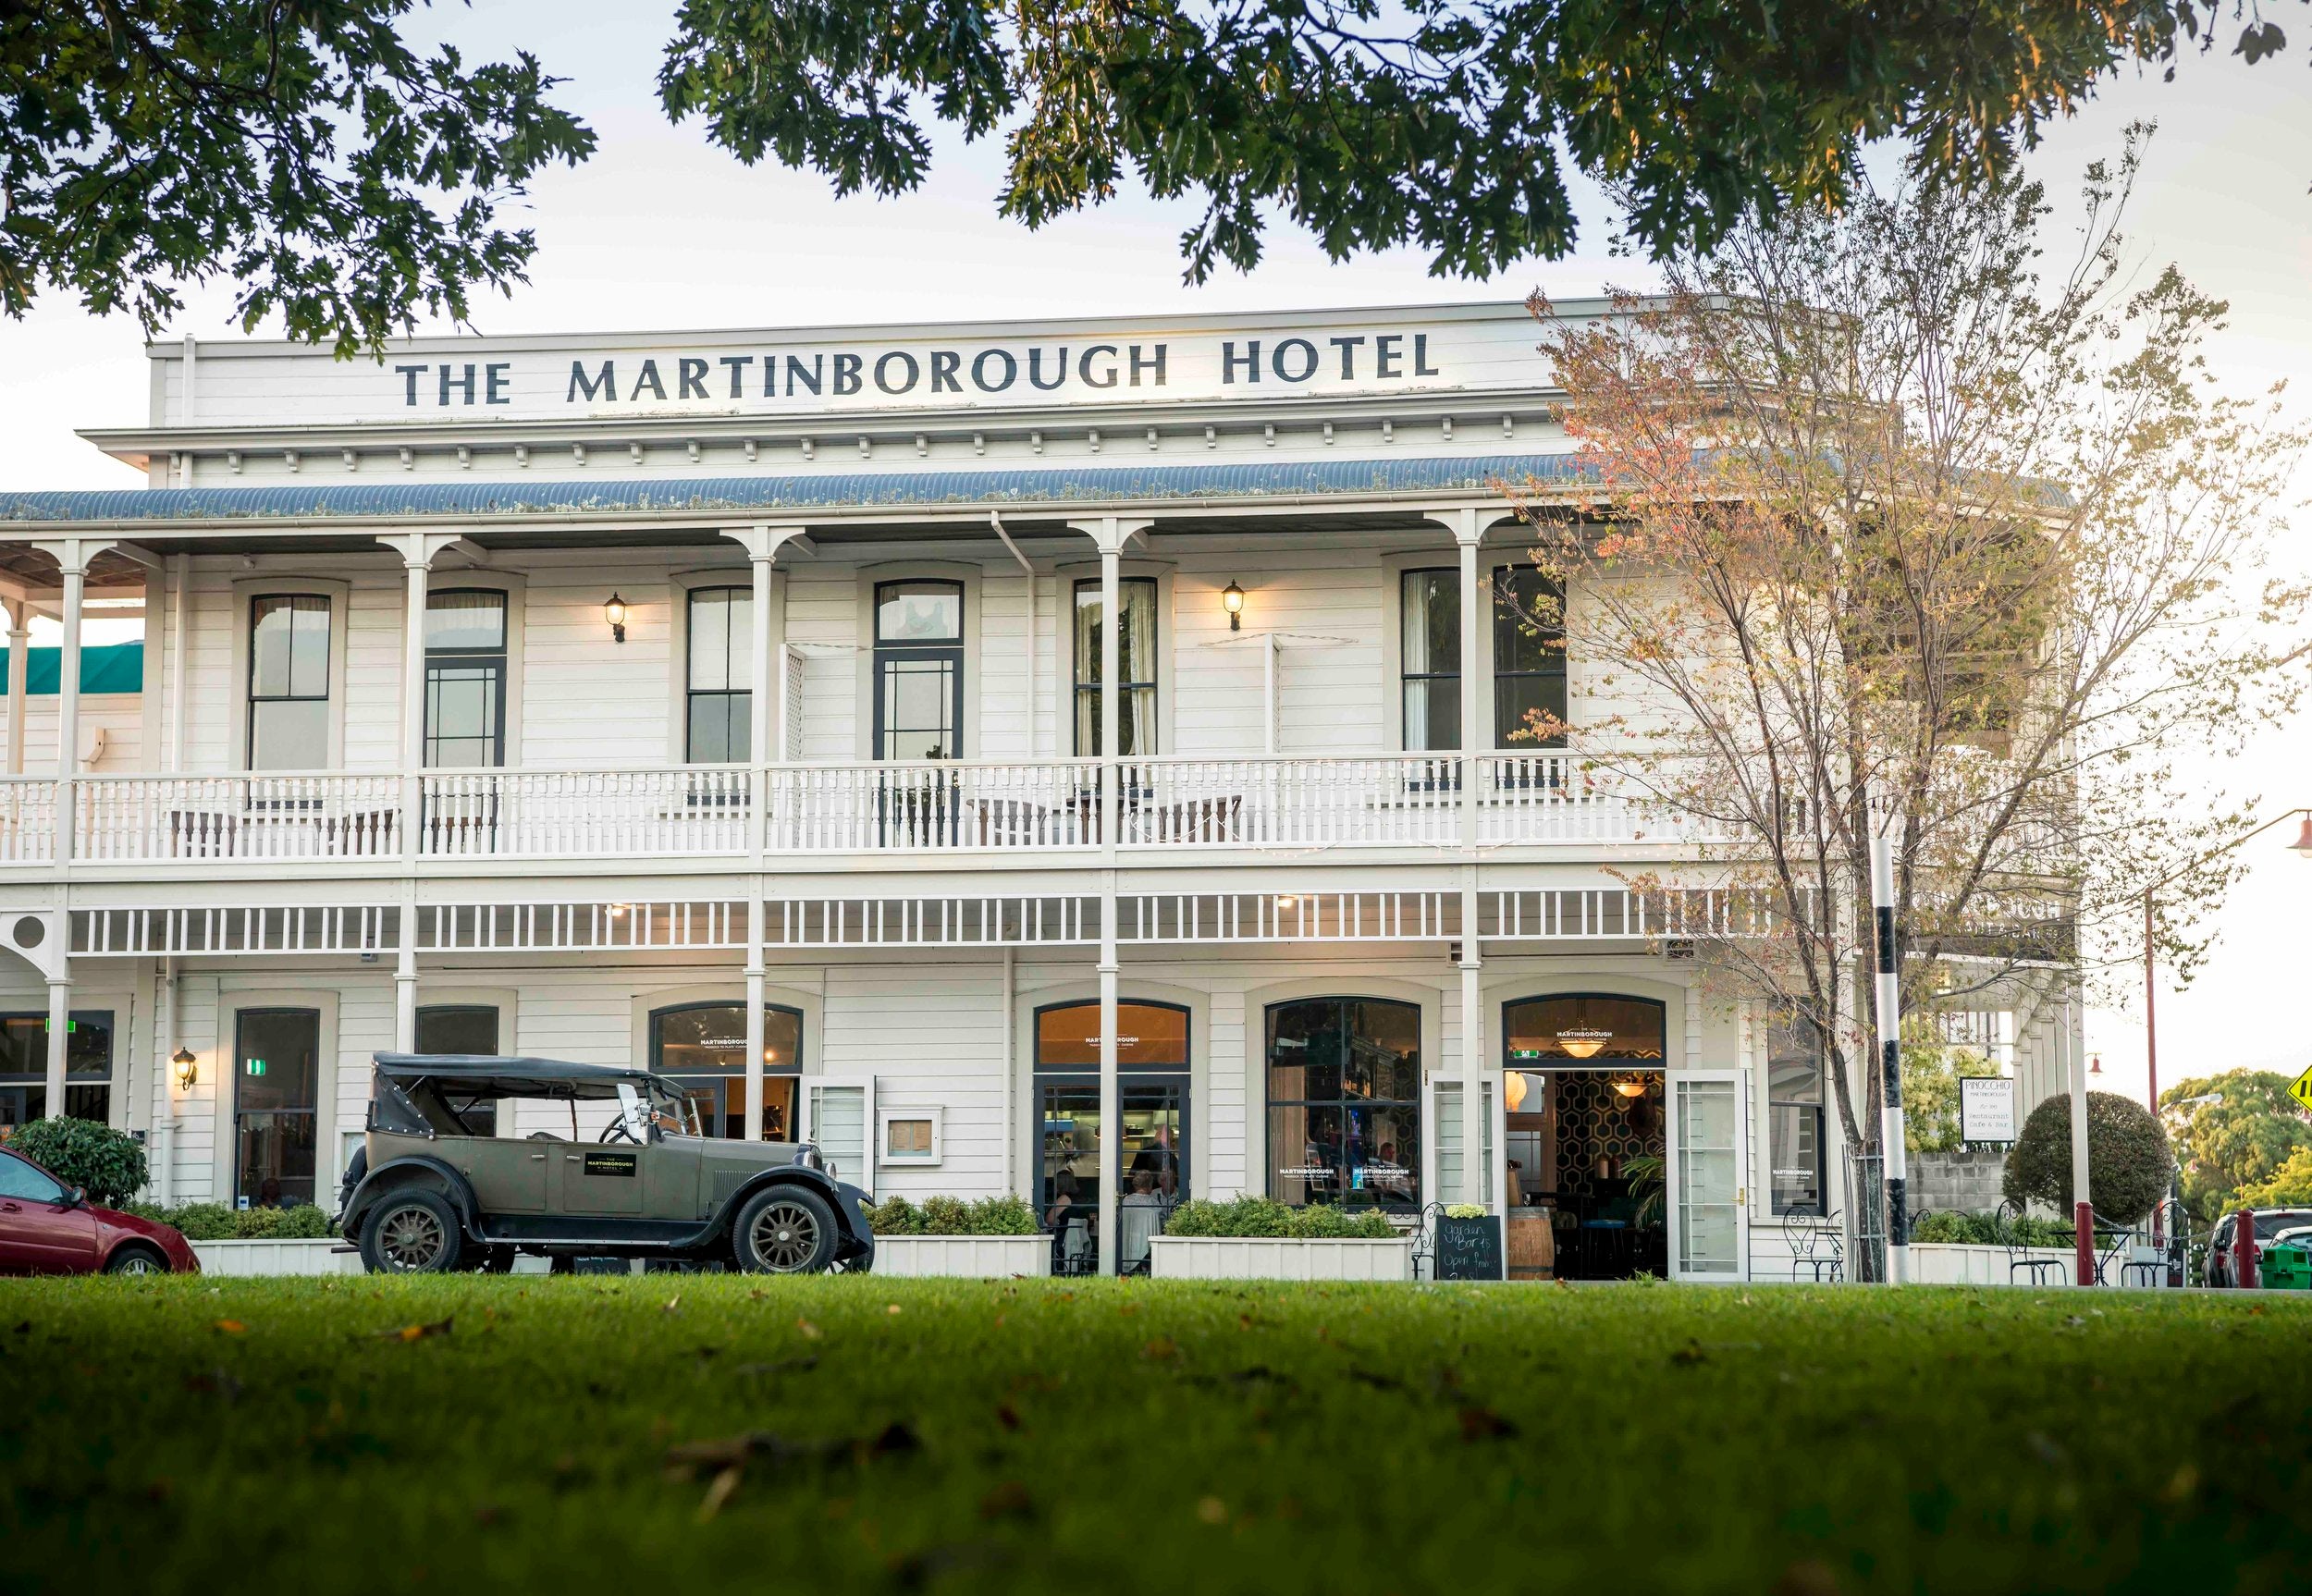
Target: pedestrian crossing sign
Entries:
(2301, 1088)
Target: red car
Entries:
(47, 1227)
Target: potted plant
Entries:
(992, 1238)
(1259, 1238)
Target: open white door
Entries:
(1441, 1144)
(1708, 1164)
(838, 1115)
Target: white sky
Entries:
(661, 230)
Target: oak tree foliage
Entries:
(299, 149)
(1447, 125)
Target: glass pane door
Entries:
(1707, 1163)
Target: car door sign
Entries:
(612, 1163)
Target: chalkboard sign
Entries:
(1468, 1248)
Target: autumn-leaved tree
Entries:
(1889, 528)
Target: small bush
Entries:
(1983, 1230)
(2129, 1162)
(1259, 1216)
(109, 1164)
(215, 1221)
(1006, 1215)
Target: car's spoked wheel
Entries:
(785, 1236)
(412, 1239)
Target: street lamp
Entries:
(2301, 848)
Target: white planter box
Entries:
(277, 1256)
(1262, 1258)
(971, 1257)
(1951, 1263)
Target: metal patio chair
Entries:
(1817, 1245)
(2042, 1270)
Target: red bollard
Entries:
(2244, 1251)
(2084, 1223)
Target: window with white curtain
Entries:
(1430, 661)
(1136, 666)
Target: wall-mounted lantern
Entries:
(615, 613)
(188, 1067)
(1232, 600)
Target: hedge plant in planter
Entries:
(953, 1216)
(1265, 1216)
(107, 1163)
(2129, 1160)
(215, 1221)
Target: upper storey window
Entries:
(289, 682)
(1135, 662)
(1431, 659)
(1528, 655)
(918, 669)
(719, 702)
(465, 678)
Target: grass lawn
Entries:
(584, 1434)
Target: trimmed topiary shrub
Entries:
(2129, 1162)
(107, 1163)
(1259, 1216)
(953, 1216)
(215, 1221)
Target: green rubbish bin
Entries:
(2285, 1266)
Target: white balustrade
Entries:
(153, 820)
(935, 805)
(584, 813)
(1406, 799)
(28, 819)
(1558, 797)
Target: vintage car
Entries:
(429, 1192)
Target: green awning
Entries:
(104, 667)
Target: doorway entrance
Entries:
(1586, 1141)
(1153, 1165)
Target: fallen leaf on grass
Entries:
(673, 1303)
(1808, 1579)
(891, 1308)
(1162, 1348)
(720, 1489)
(808, 1331)
(1213, 1510)
(417, 1331)
(232, 1326)
(1484, 1424)
(1007, 1416)
(1008, 1500)
(2181, 1485)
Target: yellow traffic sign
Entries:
(2301, 1088)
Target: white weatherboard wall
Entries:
(120, 714)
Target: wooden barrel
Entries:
(1531, 1244)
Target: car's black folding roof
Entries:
(492, 1075)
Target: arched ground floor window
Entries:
(1344, 1102)
(1153, 1144)
(701, 1047)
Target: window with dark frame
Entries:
(465, 679)
(289, 682)
(1529, 654)
(918, 669)
(1344, 1102)
(1135, 659)
(1153, 1153)
(88, 1067)
(1430, 659)
(701, 1049)
(276, 1092)
(1797, 1176)
(718, 702)
(470, 1028)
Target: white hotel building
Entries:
(732, 702)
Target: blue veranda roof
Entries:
(844, 490)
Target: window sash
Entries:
(1137, 661)
(288, 689)
(940, 619)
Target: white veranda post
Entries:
(1467, 534)
(1111, 1085)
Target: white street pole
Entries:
(1890, 1058)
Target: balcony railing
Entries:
(989, 807)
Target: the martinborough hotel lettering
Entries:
(1086, 369)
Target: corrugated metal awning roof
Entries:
(1061, 484)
